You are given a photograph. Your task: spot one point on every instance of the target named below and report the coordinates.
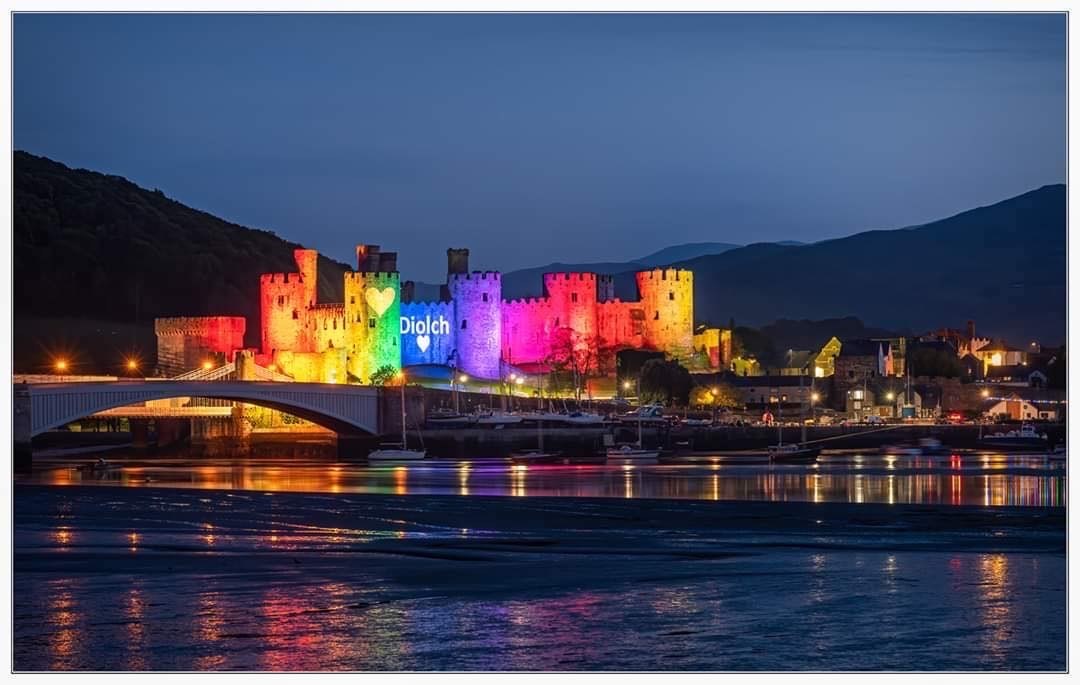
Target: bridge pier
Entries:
(22, 455)
(140, 433)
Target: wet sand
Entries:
(181, 579)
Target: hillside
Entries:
(97, 247)
(1003, 265)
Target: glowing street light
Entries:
(207, 365)
(985, 393)
(890, 396)
(627, 385)
(60, 365)
(814, 397)
(132, 365)
(519, 380)
(463, 378)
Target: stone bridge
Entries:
(346, 409)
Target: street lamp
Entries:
(207, 365)
(132, 365)
(61, 365)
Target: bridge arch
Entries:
(345, 409)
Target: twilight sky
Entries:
(539, 138)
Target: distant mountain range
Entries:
(99, 248)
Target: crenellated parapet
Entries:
(184, 343)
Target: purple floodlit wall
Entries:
(477, 302)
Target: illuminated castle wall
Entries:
(470, 328)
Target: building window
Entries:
(464, 324)
(671, 295)
(295, 314)
(556, 322)
(352, 299)
(656, 316)
(485, 297)
(281, 300)
(371, 322)
(324, 325)
(335, 324)
(573, 297)
(851, 373)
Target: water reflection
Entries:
(987, 481)
(994, 577)
(65, 635)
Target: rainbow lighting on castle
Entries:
(470, 328)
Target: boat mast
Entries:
(404, 446)
(639, 443)
(779, 418)
(802, 409)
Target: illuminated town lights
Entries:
(890, 396)
(463, 378)
(60, 365)
(985, 393)
(627, 385)
(814, 397)
(519, 380)
(207, 365)
(132, 365)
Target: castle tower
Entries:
(372, 317)
(477, 299)
(667, 298)
(285, 300)
(573, 303)
(457, 260)
(308, 262)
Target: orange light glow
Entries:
(207, 365)
(61, 365)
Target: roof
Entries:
(1011, 371)
(798, 359)
(936, 345)
(998, 345)
(861, 348)
(769, 381)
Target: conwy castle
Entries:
(470, 328)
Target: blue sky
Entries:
(537, 138)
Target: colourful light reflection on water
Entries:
(969, 480)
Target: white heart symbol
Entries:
(422, 341)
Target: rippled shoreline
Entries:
(181, 579)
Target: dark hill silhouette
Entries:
(1002, 265)
(97, 247)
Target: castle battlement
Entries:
(476, 275)
(667, 274)
(281, 278)
(579, 276)
(375, 275)
(324, 306)
(199, 325)
(527, 302)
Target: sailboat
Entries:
(392, 454)
(633, 454)
(791, 453)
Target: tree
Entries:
(719, 395)
(667, 382)
(574, 358)
(385, 375)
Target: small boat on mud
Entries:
(538, 457)
(1027, 436)
(631, 454)
(793, 453)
